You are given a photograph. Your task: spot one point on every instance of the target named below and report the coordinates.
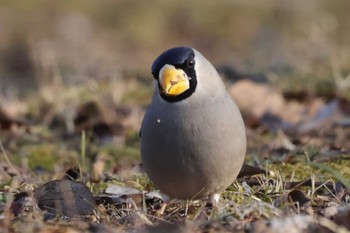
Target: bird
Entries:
(193, 139)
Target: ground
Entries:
(75, 82)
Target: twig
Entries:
(83, 154)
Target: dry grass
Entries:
(84, 66)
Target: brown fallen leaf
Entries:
(87, 114)
(260, 102)
(298, 196)
(65, 197)
(11, 123)
(104, 125)
(248, 170)
(72, 174)
(19, 202)
(344, 106)
(322, 116)
(264, 99)
(269, 108)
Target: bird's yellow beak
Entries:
(173, 81)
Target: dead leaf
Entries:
(123, 195)
(19, 202)
(298, 196)
(72, 174)
(65, 197)
(248, 170)
(12, 124)
(344, 106)
(323, 115)
(118, 191)
(264, 99)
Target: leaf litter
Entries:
(296, 179)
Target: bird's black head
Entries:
(182, 58)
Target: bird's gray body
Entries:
(195, 147)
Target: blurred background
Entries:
(72, 41)
(68, 66)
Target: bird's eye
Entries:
(191, 62)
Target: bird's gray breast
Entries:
(191, 150)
